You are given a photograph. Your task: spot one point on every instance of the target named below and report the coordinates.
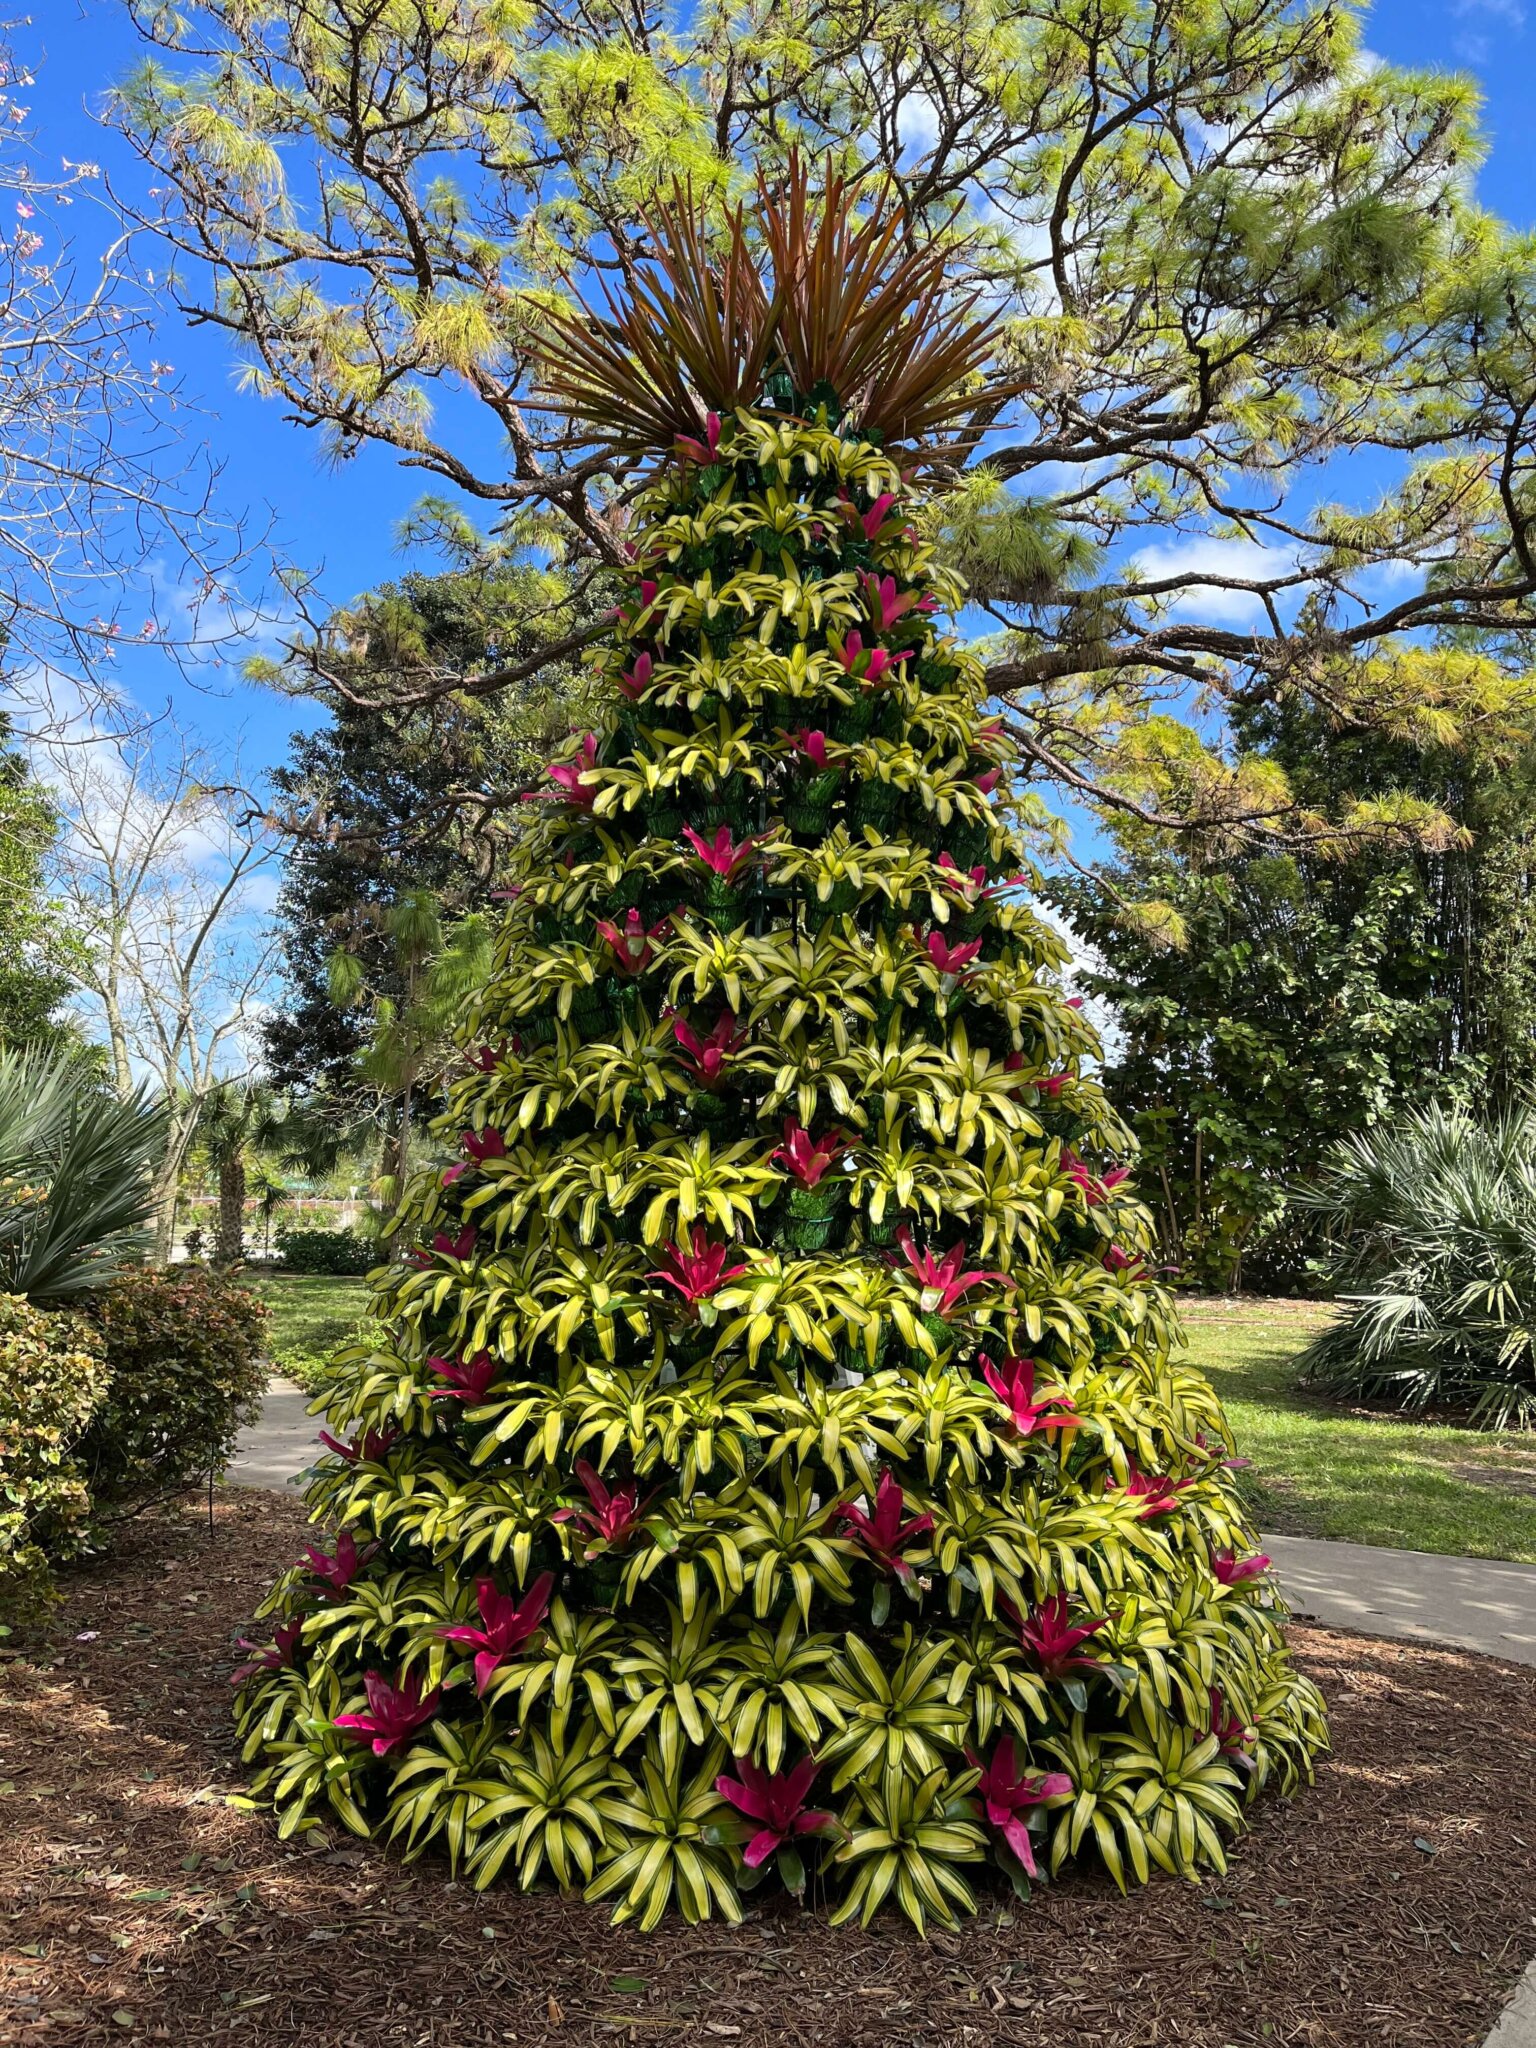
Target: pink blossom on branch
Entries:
(1006, 1793)
(504, 1623)
(945, 1281)
(394, 1711)
(776, 1800)
(883, 1535)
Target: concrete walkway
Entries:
(1471, 1602)
(274, 1450)
(1517, 2024)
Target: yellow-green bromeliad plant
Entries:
(775, 1458)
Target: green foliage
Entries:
(52, 1377)
(34, 946)
(762, 1153)
(1435, 1222)
(1200, 226)
(1295, 1006)
(183, 1348)
(348, 1253)
(75, 1176)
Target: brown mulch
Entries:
(1394, 1905)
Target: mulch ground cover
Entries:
(1395, 1904)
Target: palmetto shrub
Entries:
(75, 1176)
(1434, 1221)
(774, 1452)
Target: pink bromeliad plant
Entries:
(366, 1448)
(701, 452)
(1006, 1795)
(274, 1656)
(1013, 1382)
(1053, 1641)
(708, 1057)
(505, 1624)
(1158, 1492)
(806, 1158)
(726, 857)
(775, 1801)
(871, 665)
(699, 1272)
(631, 944)
(336, 1572)
(951, 957)
(883, 1535)
(613, 1515)
(395, 1711)
(1231, 1570)
(944, 1282)
(571, 778)
(465, 1379)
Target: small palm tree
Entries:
(76, 1176)
(237, 1119)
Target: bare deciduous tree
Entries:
(155, 867)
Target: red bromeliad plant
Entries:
(771, 1124)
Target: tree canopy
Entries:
(1227, 252)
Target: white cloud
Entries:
(1202, 557)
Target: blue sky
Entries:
(342, 522)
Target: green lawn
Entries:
(311, 1314)
(1346, 1473)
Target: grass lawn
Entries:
(1348, 1473)
(311, 1314)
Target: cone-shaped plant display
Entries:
(773, 1463)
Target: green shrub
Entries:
(308, 1364)
(52, 1378)
(346, 1252)
(1435, 1226)
(185, 1352)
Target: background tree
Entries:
(1231, 255)
(154, 869)
(237, 1119)
(382, 804)
(1271, 1003)
(34, 945)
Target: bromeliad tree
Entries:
(777, 1394)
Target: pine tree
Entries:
(777, 1398)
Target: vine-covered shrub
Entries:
(52, 1376)
(774, 1450)
(343, 1252)
(184, 1350)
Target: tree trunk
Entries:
(229, 1246)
